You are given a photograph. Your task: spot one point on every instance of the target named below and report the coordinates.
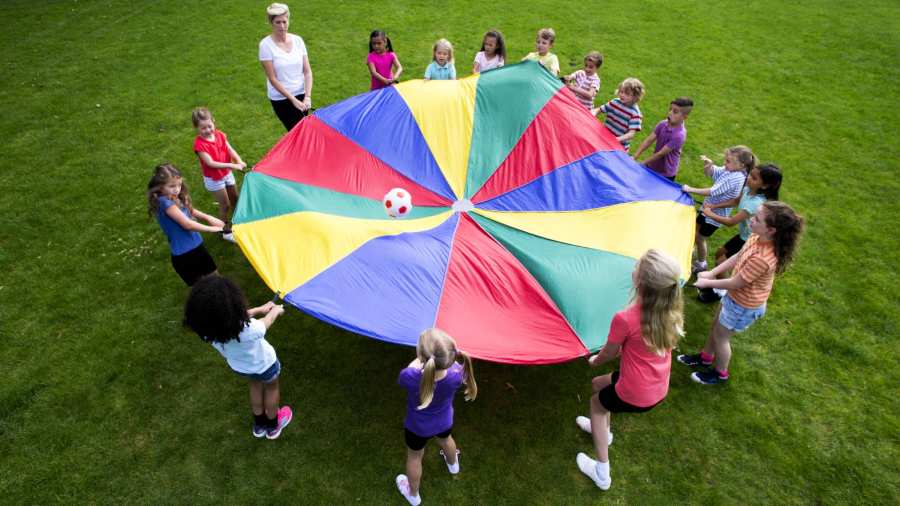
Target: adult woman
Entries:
(286, 64)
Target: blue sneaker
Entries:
(693, 360)
(259, 431)
(710, 377)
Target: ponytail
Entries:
(426, 386)
(468, 376)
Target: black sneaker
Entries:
(710, 377)
(708, 296)
(693, 360)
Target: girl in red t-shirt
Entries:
(217, 160)
(643, 335)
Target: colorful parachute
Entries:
(527, 223)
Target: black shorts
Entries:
(733, 246)
(416, 442)
(705, 229)
(287, 113)
(610, 399)
(194, 264)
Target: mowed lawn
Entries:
(106, 399)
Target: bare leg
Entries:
(256, 397)
(721, 256)
(702, 251)
(414, 469)
(449, 447)
(272, 398)
(601, 382)
(722, 337)
(710, 347)
(221, 197)
(233, 197)
(600, 429)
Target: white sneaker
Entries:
(229, 237)
(453, 468)
(584, 423)
(591, 468)
(403, 487)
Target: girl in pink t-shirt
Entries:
(643, 335)
(383, 63)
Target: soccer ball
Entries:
(397, 203)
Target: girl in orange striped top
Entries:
(775, 229)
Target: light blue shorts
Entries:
(736, 317)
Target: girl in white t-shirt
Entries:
(286, 64)
(492, 54)
(216, 310)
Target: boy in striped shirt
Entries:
(623, 117)
(727, 184)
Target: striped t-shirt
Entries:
(726, 186)
(756, 265)
(621, 118)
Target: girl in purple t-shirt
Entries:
(383, 63)
(431, 381)
(643, 336)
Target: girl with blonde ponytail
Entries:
(643, 336)
(431, 381)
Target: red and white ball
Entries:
(397, 203)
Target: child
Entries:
(727, 184)
(585, 83)
(441, 67)
(623, 117)
(431, 381)
(775, 230)
(545, 39)
(170, 202)
(669, 136)
(216, 310)
(762, 184)
(645, 333)
(492, 54)
(384, 66)
(217, 160)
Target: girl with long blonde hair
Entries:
(431, 381)
(643, 335)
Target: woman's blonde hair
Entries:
(445, 45)
(277, 9)
(658, 289)
(437, 351)
(744, 156)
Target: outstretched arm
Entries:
(188, 224)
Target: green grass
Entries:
(104, 398)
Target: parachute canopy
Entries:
(528, 217)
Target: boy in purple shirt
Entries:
(669, 136)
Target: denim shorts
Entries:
(267, 376)
(215, 185)
(736, 317)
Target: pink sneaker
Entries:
(284, 418)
